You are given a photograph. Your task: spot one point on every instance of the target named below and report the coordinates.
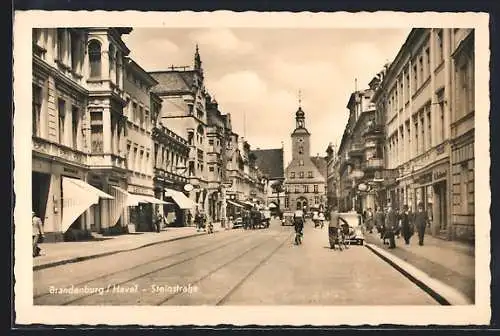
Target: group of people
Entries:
(392, 224)
(318, 219)
(254, 218)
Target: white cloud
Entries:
(223, 40)
(155, 54)
(240, 87)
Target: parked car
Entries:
(355, 230)
(287, 218)
(238, 222)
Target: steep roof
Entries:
(172, 81)
(270, 162)
(320, 163)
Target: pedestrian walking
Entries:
(321, 219)
(379, 218)
(406, 224)
(38, 234)
(391, 223)
(421, 221)
(159, 220)
(369, 220)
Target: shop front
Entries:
(142, 205)
(180, 208)
(63, 196)
(431, 189)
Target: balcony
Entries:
(370, 143)
(356, 150)
(373, 164)
(107, 161)
(52, 149)
(374, 131)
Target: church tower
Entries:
(300, 136)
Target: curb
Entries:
(105, 254)
(439, 291)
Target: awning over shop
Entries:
(118, 204)
(152, 200)
(78, 196)
(249, 203)
(182, 201)
(234, 203)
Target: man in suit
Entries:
(421, 220)
(391, 225)
(37, 233)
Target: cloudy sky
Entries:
(256, 74)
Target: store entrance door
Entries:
(40, 193)
(441, 215)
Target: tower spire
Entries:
(300, 98)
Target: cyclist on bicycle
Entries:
(298, 221)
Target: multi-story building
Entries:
(270, 163)
(218, 132)
(462, 134)
(305, 176)
(359, 156)
(171, 152)
(332, 177)
(417, 96)
(78, 129)
(140, 149)
(183, 96)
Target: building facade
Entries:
(359, 156)
(417, 97)
(305, 182)
(462, 135)
(140, 149)
(77, 111)
(184, 97)
(171, 153)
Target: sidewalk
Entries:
(56, 254)
(450, 262)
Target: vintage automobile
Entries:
(287, 218)
(237, 222)
(353, 232)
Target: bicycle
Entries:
(298, 238)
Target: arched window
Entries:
(95, 58)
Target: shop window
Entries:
(36, 110)
(94, 50)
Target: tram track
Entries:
(234, 287)
(239, 239)
(158, 270)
